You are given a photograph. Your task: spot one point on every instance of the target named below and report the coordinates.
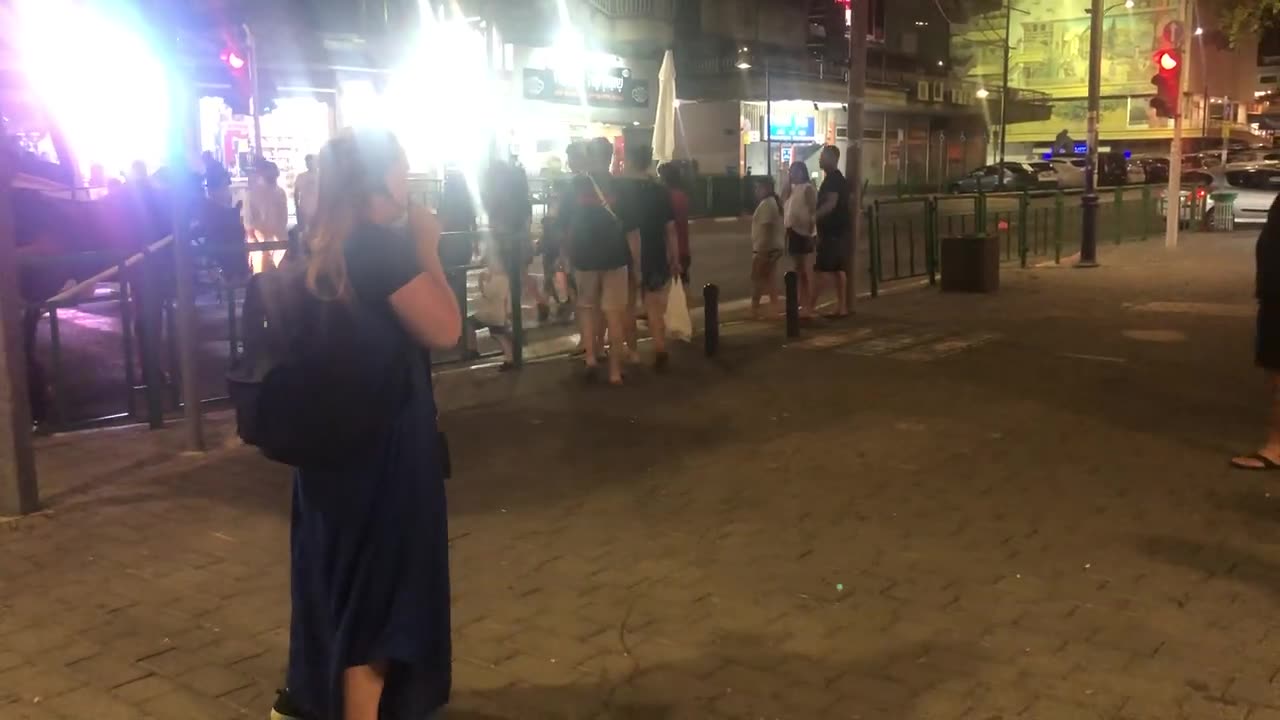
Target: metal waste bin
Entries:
(971, 263)
(1223, 218)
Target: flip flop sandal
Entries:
(1267, 463)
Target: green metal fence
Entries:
(904, 234)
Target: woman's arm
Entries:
(426, 305)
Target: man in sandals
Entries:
(1267, 347)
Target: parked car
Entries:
(1011, 176)
(1113, 169)
(1255, 185)
(1156, 169)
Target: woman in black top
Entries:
(369, 637)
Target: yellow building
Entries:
(1049, 52)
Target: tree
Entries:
(1239, 18)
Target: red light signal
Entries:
(1168, 81)
(233, 59)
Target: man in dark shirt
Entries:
(649, 205)
(1267, 345)
(599, 236)
(833, 231)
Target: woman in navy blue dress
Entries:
(369, 638)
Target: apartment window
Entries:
(1267, 79)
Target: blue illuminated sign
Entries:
(793, 128)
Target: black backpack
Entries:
(317, 384)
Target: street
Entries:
(953, 507)
(90, 382)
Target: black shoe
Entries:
(544, 312)
(286, 709)
(661, 362)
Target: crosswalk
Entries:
(898, 343)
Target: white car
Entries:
(1070, 171)
(1255, 186)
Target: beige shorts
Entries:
(603, 289)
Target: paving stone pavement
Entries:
(1039, 525)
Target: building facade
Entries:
(1048, 49)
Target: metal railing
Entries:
(640, 9)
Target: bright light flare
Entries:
(1167, 61)
(982, 93)
(98, 77)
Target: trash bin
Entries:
(971, 263)
(1223, 217)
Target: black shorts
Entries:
(798, 244)
(1267, 343)
(830, 255)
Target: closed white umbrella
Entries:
(664, 125)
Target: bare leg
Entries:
(771, 282)
(590, 321)
(1271, 448)
(655, 303)
(362, 691)
(804, 278)
(617, 320)
(757, 282)
(842, 293)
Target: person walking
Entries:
(369, 637)
(306, 194)
(673, 179)
(658, 259)
(833, 232)
(268, 214)
(1267, 342)
(505, 194)
(599, 240)
(217, 181)
(767, 242)
(799, 209)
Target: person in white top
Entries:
(766, 245)
(306, 195)
(800, 219)
(267, 215)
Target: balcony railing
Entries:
(636, 9)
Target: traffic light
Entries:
(235, 60)
(1168, 81)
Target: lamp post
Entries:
(1089, 202)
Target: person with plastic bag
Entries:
(656, 262)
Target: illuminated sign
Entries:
(793, 128)
(616, 89)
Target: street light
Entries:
(983, 93)
(744, 59)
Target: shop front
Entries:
(558, 98)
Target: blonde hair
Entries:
(350, 171)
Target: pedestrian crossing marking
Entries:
(897, 342)
(1196, 308)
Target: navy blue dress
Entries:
(370, 565)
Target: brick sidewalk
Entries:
(892, 520)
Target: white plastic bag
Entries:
(679, 324)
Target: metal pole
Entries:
(768, 118)
(1004, 81)
(254, 99)
(19, 490)
(181, 199)
(1089, 203)
(1226, 128)
(1173, 197)
(859, 26)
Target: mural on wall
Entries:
(1050, 46)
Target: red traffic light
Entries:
(1167, 61)
(233, 59)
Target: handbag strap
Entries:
(604, 201)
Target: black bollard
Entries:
(711, 316)
(792, 282)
